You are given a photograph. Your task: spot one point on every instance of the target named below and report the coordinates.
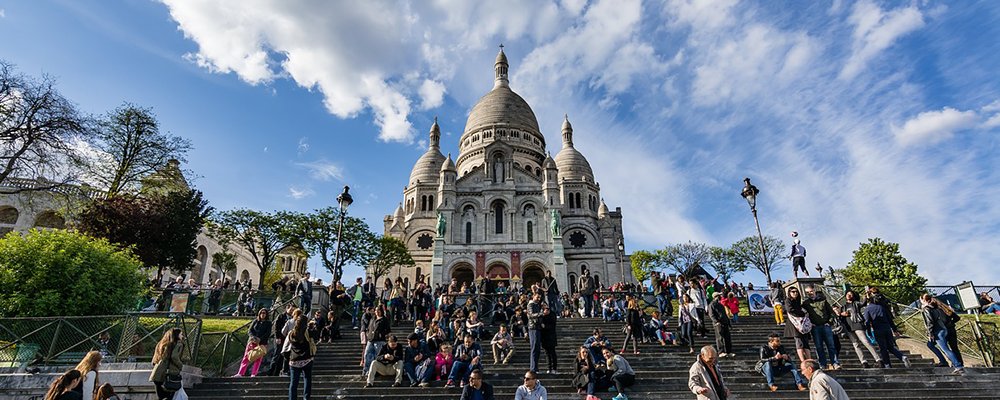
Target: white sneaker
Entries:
(906, 362)
(723, 355)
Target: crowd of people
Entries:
(453, 323)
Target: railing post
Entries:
(55, 339)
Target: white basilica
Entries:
(504, 209)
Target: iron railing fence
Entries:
(974, 336)
(64, 340)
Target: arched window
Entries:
(569, 200)
(423, 203)
(9, 215)
(578, 203)
(49, 219)
(498, 211)
(430, 203)
(531, 232)
(468, 232)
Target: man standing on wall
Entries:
(305, 293)
(798, 256)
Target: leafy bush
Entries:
(879, 263)
(65, 273)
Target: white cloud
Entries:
(934, 126)
(763, 59)
(323, 170)
(303, 146)
(875, 30)
(300, 193)
(431, 94)
(993, 122)
(3, 14)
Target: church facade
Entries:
(504, 209)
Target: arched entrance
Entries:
(496, 273)
(532, 274)
(463, 274)
(572, 282)
(200, 263)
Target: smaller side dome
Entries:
(572, 165)
(449, 165)
(398, 215)
(428, 166)
(549, 163)
(602, 211)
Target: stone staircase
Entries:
(661, 372)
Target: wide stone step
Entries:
(661, 371)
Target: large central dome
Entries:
(501, 116)
(503, 108)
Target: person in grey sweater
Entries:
(622, 374)
(821, 385)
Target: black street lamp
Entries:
(345, 200)
(750, 193)
(621, 257)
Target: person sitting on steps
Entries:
(775, 361)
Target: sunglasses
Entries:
(528, 379)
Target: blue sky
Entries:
(855, 119)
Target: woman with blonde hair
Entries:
(62, 387)
(167, 362)
(88, 369)
(633, 325)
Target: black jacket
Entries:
(261, 330)
(486, 389)
(717, 312)
(378, 330)
(767, 353)
(397, 354)
(278, 325)
(934, 319)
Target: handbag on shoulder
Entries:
(173, 382)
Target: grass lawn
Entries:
(215, 324)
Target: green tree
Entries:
(263, 235)
(224, 260)
(130, 146)
(60, 272)
(384, 253)
(643, 262)
(318, 234)
(723, 261)
(680, 257)
(161, 230)
(746, 252)
(879, 263)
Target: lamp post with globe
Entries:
(750, 193)
(344, 200)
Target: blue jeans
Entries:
(770, 372)
(410, 370)
(661, 304)
(293, 385)
(460, 371)
(588, 305)
(992, 308)
(371, 350)
(357, 314)
(941, 340)
(535, 338)
(823, 339)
